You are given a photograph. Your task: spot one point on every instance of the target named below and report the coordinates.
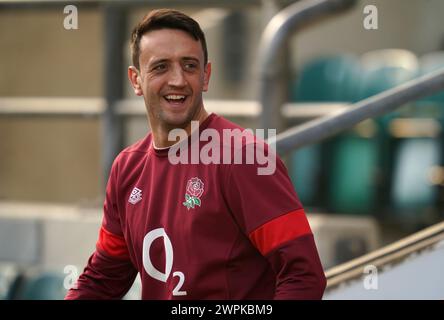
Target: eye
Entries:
(191, 66)
(160, 67)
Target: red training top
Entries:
(201, 231)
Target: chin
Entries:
(177, 120)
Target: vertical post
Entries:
(279, 74)
(115, 35)
(273, 87)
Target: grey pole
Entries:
(273, 84)
(318, 129)
(115, 35)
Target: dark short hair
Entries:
(166, 19)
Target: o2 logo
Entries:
(169, 256)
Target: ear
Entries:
(134, 78)
(207, 74)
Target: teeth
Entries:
(175, 97)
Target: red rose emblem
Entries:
(195, 187)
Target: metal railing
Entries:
(272, 63)
(391, 254)
(273, 93)
(374, 106)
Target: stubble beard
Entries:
(166, 122)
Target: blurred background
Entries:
(373, 192)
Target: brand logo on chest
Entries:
(135, 196)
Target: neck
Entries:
(160, 132)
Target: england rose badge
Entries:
(195, 189)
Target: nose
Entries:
(177, 77)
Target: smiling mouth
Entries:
(175, 99)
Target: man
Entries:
(195, 230)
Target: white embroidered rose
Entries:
(195, 187)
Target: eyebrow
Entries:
(157, 61)
(191, 58)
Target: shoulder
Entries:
(140, 146)
(240, 139)
(244, 151)
(230, 134)
(134, 153)
(220, 123)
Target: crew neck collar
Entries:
(162, 152)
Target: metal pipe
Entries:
(115, 35)
(316, 130)
(387, 255)
(273, 69)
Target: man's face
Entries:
(171, 78)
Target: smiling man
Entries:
(170, 71)
(195, 230)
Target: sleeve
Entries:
(269, 212)
(109, 273)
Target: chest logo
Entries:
(136, 196)
(195, 189)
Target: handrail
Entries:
(273, 85)
(318, 129)
(390, 254)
